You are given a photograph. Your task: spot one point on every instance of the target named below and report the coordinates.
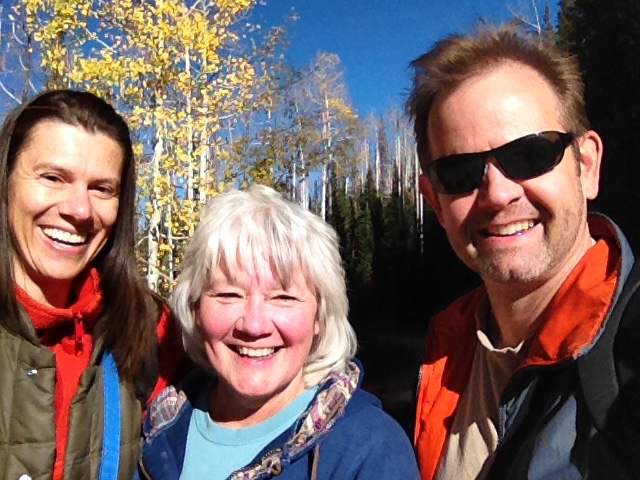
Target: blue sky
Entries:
(376, 39)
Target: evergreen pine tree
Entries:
(606, 38)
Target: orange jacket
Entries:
(574, 317)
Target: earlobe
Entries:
(590, 159)
(427, 191)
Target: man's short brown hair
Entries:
(459, 57)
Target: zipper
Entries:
(501, 422)
(260, 464)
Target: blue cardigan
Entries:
(343, 435)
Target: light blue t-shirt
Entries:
(215, 452)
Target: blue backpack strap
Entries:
(111, 434)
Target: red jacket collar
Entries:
(574, 316)
(578, 311)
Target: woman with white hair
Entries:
(263, 309)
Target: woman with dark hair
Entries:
(80, 334)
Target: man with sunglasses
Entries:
(516, 377)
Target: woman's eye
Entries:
(51, 177)
(285, 298)
(227, 295)
(105, 191)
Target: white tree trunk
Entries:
(189, 111)
(168, 227)
(153, 235)
(323, 210)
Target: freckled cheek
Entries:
(21, 207)
(297, 328)
(108, 216)
(215, 323)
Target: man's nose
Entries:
(497, 190)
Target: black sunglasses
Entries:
(521, 159)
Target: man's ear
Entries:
(591, 148)
(427, 191)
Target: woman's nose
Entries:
(76, 204)
(255, 319)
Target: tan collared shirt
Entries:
(473, 438)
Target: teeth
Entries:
(512, 228)
(255, 352)
(63, 236)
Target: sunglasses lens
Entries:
(521, 159)
(531, 156)
(457, 173)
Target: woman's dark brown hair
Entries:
(130, 331)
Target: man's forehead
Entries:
(499, 104)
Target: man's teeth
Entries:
(512, 228)
(255, 352)
(65, 237)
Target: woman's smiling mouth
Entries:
(255, 352)
(64, 236)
